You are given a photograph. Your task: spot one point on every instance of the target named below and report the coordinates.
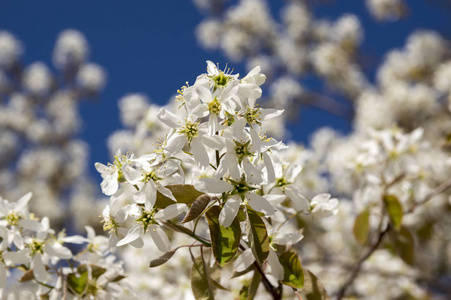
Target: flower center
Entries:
(220, 80)
(191, 130)
(146, 218)
(13, 218)
(242, 150)
(214, 107)
(252, 116)
(37, 247)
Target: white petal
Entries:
(253, 174)
(175, 143)
(204, 94)
(160, 238)
(298, 200)
(276, 266)
(132, 234)
(75, 239)
(110, 184)
(293, 172)
(229, 212)
(166, 192)
(38, 268)
(211, 68)
(171, 211)
(168, 118)
(16, 257)
(199, 153)
(267, 114)
(32, 225)
(56, 250)
(101, 168)
(275, 199)
(212, 185)
(244, 260)
(23, 201)
(90, 232)
(260, 204)
(132, 175)
(288, 239)
(269, 167)
(321, 198)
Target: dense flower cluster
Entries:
(216, 158)
(38, 257)
(392, 172)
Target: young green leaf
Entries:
(77, 284)
(293, 274)
(96, 271)
(313, 289)
(394, 209)
(197, 208)
(257, 235)
(404, 244)
(224, 240)
(184, 193)
(201, 285)
(362, 227)
(162, 259)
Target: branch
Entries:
(357, 267)
(268, 286)
(438, 190)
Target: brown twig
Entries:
(437, 191)
(356, 269)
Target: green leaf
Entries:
(197, 208)
(362, 227)
(200, 280)
(184, 193)
(257, 235)
(96, 271)
(77, 284)
(313, 289)
(224, 240)
(238, 274)
(249, 290)
(394, 209)
(293, 274)
(404, 245)
(162, 259)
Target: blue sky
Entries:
(149, 47)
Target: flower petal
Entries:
(171, 211)
(213, 185)
(229, 212)
(260, 204)
(160, 238)
(244, 260)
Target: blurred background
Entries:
(80, 80)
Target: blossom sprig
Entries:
(217, 165)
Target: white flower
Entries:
(112, 173)
(147, 221)
(238, 191)
(189, 131)
(322, 206)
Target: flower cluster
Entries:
(215, 162)
(32, 252)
